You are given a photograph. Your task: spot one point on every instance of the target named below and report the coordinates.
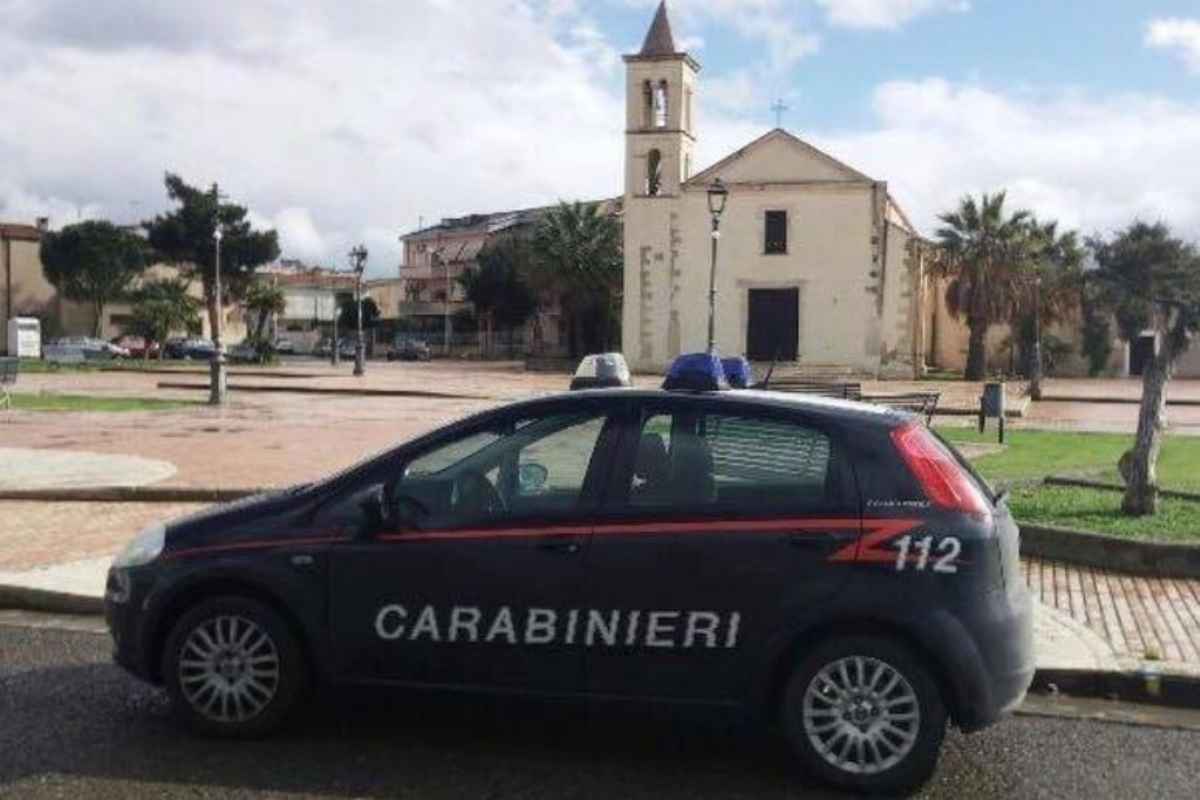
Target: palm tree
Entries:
(160, 308)
(265, 300)
(983, 253)
(577, 260)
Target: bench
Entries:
(923, 403)
(9, 367)
(840, 391)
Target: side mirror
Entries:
(532, 477)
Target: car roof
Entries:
(827, 407)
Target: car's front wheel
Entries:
(233, 667)
(864, 713)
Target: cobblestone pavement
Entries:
(1142, 618)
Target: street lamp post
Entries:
(217, 382)
(1035, 381)
(358, 257)
(718, 195)
(335, 357)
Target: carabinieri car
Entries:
(833, 567)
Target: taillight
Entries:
(945, 483)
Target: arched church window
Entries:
(660, 105)
(653, 172)
(647, 104)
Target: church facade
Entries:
(818, 265)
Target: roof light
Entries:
(696, 372)
(601, 371)
(737, 372)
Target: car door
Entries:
(467, 579)
(716, 532)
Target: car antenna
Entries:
(766, 382)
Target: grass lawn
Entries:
(1100, 511)
(75, 402)
(1032, 455)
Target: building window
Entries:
(647, 104)
(776, 233)
(687, 110)
(660, 105)
(653, 172)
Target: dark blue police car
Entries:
(831, 565)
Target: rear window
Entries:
(692, 461)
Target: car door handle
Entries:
(551, 546)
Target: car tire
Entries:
(875, 731)
(233, 668)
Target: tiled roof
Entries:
(28, 233)
(659, 39)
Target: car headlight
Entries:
(144, 548)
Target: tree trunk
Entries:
(262, 323)
(977, 350)
(98, 328)
(1141, 479)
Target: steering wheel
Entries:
(476, 495)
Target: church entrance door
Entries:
(773, 324)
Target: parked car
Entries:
(285, 347)
(409, 350)
(244, 353)
(347, 348)
(194, 348)
(829, 565)
(137, 346)
(79, 348)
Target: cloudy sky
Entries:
(339, 121)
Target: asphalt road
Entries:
(73, 725)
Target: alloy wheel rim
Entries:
(861, 715)
(229, 669)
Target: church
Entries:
(817, 264)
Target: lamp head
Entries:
(717, 197)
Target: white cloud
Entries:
(336, 124)
(885, 13)
(1093, 163)
(778, 25)
(1181, 35)
(344, 126)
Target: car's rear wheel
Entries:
(233, 668)
(864, 713)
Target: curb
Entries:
(328, 390)
(1109, 552)
(23, 598)
(131, 494)
(1114, 487)
(1133, 401)
(1144, 686)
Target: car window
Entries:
(698, 461)
(534, 467)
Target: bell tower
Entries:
(660, 134)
